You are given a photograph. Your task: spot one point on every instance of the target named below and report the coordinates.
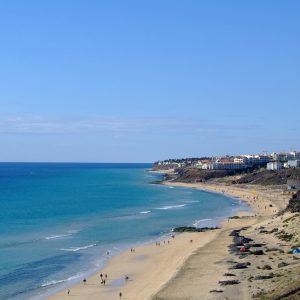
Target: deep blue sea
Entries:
(57, 221)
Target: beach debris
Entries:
(288, 293)
(231, 261)
(282, 264)
(263, 277)
(244, 249)
(296, 251)
(266, 267)
(229, 274)
(244, 255)
(240, 266)
(256, 251)
(273, 249)
(216, 291)
(228, 282)
(235, 232)
(241, 240)
(256, 245)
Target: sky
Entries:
(141, 81)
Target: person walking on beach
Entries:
(120, 295)
(101, 275)
(69, 292)
(105, 276)
(104, 282)
(84, 281)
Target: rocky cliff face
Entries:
(294, 203)
(266, 177)
(157, 167)
(198, 175)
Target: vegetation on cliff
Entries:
(294, 203)
(267, 177)
(249, 176)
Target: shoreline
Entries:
(141, 267)
(171, 254)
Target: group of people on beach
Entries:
(103, 281)
(164, 241)
(103, 278)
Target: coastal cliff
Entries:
(271, 268)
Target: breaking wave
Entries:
(171, 206)
(53, 282)
(75, 249)
(51, 237)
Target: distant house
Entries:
(295, 155)
(293, 184)
(274, 165)
(253, 160)
(293, 163)
(226, 166)
(286, 156)
(263, 159)
(240, 160)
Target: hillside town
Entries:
(273, 161)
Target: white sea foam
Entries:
(51, 237)
(145, 212)
(72, 231)
(200, 221)
(53, 282)
(74, 249)
(171, 206)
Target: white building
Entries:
(226, 166)
(293, 163)
(295, 155)
(286, 156)
(205, 166)
(274, 165)
(240, 160)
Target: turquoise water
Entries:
(57, 221)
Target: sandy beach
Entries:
(148, 268)
(264, 201)
(179, 268)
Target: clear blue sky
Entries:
(139, 81)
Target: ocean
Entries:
(58, 220)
